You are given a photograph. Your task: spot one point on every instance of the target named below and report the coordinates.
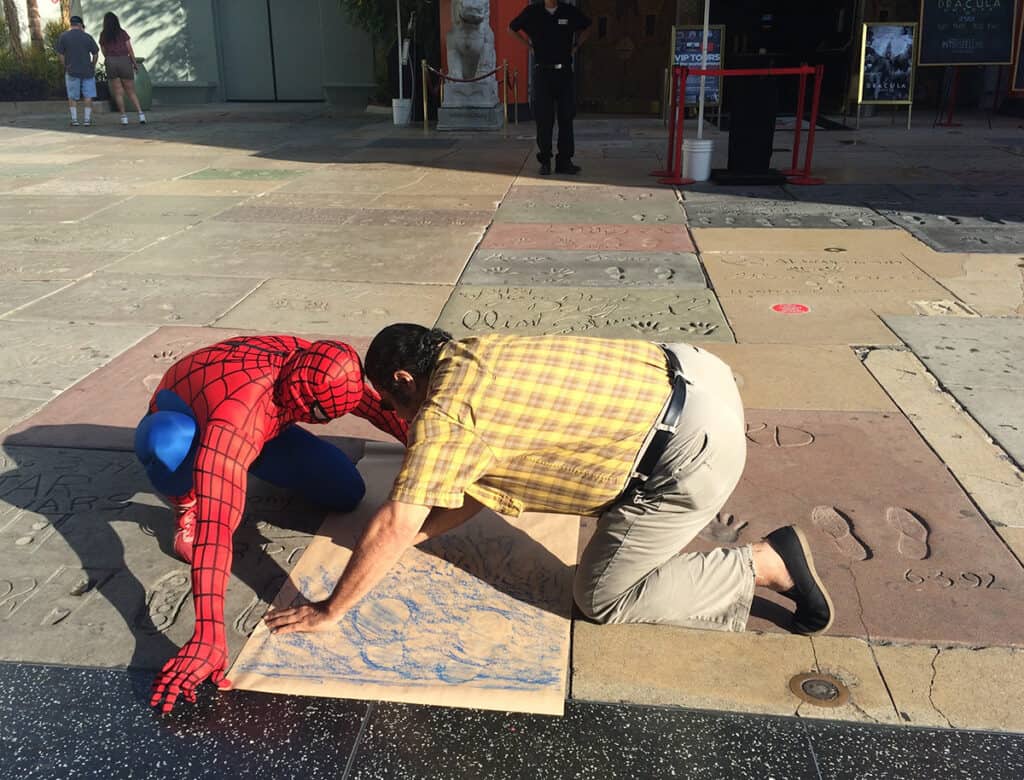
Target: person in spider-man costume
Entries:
(227, 411)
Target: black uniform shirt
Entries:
(551, 33)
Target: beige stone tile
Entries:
(992, 284)
(908, 674)
(783, 376)
(851, 242)
(991, 479)
(364, 178)
(160, 300)
(818, 273)
(30, 265)
(200, 188)
(14, 409)
(1014, 538)
(354, 309)
(357, 253)
(958, 687)
(19, 293)
(852, 662)
(828, 319)
(648, 664)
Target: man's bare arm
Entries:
(440, 521)
(391, 531)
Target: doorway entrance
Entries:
(621, 67)
(270, 49)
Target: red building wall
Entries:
(505, 46)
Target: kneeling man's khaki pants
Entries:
(632, 570)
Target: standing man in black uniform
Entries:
(551, 31)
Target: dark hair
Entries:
(403, 347)
(111, 28)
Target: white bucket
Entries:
(697, 158)
(401, 110)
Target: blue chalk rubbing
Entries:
(429, 622)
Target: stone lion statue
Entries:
(471, 54)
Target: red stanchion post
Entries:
(676, 176)
(805, 177)
(794, 169)
(673, 107)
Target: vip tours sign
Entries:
(686, 50)
(966, 32)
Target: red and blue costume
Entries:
(224, 412)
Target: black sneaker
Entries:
(568, 168)
(814, 611)
(545, 168)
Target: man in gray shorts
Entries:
(78, 53)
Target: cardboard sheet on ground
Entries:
(478, 617)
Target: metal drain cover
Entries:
(821, 690)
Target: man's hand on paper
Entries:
(317, 616)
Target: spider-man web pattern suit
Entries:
(244, 395)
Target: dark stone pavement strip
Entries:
(86, 722)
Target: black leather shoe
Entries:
(545, 168)
(568, 168)
(814, 611)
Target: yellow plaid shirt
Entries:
(545, 423)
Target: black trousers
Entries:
(554, 94)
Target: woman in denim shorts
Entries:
(120, 64)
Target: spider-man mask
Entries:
(321, 383)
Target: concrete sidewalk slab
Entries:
(978, 352)
(15, 294)
(91, 416)
(17, 209)
(38, 360)
(102, 236)
(29, 266)
(256, 174)
(995, 240)
(644, 314)
(562, 268)
(85, 550)
(351, 253)
(934, 570)
(604, 238)
(259, 212)
(784, 214)
(847, 194)
(785, 376)
(354, 308)
(591, 205)
(715, 193)
(956, 687)
(162, 209)
(13, 410)
(810, 319)
(818, 273)
(988, 476)
(756, 240)
(128, 298)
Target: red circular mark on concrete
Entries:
(790, 308)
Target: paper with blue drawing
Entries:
(478, 617)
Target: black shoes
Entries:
(814, 611)
(567, 168)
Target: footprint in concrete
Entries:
(724, 529)
(165, 601)
(254, 611)
(913, 533)
(840, 529)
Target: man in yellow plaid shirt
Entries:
(649, 438)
